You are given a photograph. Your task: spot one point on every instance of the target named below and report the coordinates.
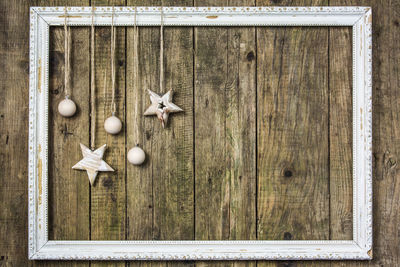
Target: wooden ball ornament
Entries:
(113, 125)
(67, 107)
(136, 155)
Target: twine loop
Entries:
(66, 56)
(113, 106)
(162, 51)
(92, 87)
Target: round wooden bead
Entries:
(67, 108)
(136, 155)
(113, 125)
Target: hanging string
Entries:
(105, 81)
(92, 89)
(162, 52)
(66, 55)
(135, 53)
(113, 106)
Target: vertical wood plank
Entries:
(14, 109)
(140, 200)
(139, 178)
(160, 199)
(172, 148)
(211, 182)
(340, 133)
(293, 150)
(68, 189)
(340, 128)
(225, 132)
(386, 145)
(67, 186)
(292, 137)
(383, 256)
(341, 160)
(108, 195)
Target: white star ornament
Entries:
(162, 107)
(93, 162)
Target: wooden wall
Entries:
(262, 151)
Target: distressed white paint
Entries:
(358, 248)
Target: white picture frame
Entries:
(360, 248)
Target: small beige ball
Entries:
(67, 108)
(136, 155)
(113, 125)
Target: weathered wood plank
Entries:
(172, 148)
(160, 203)
(225, 133)
(385, 150)
(225, 152)
(14, 101)
(293, 166)
(169, 151)
(211, 180)
(340, 88)
(293, 151)
(68, 189)
(108, 195)
(140, 200)
(386, 145)
(139, 178)
(340, 133)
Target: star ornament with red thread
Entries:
(162, 107)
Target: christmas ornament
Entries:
(136, 155)
(92, 161)
(113, 124)
(162, 106)
(66, 107)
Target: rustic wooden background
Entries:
(263, 150)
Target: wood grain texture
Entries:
(139, 178)
(293, 147)
(68, 189)
(293, 151)
(340, 133)
(108, 196)
(386, 145)
(14, 62)
(13, 129)
(225, 133)
(225, 95)
(160, 203)
(108, 193)
(172, 148)
(340, 88)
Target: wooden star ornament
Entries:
(161, 106)
(93, 162)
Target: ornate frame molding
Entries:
(360, 248)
